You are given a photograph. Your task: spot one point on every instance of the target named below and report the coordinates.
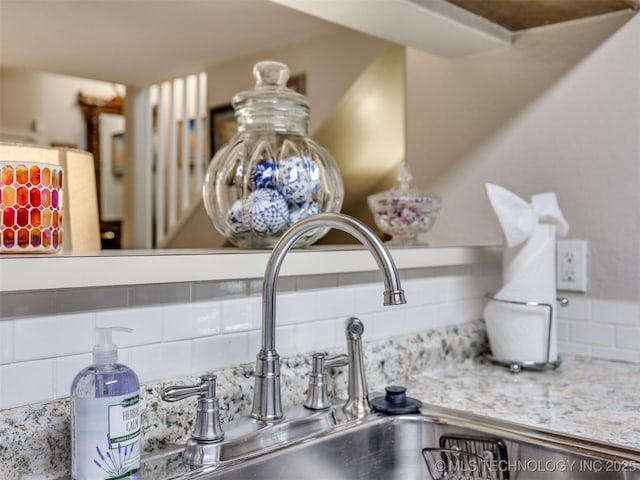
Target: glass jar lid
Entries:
(270, 96)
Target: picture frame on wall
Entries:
(117, 154)
(222, 126)
(222, 121)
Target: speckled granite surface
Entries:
(590, 398)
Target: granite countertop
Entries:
(584, 397)
(589, 398)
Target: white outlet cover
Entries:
(571, 265)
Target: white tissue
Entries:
(522, 333)
(519, 218)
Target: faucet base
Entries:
(267, 407)
(246, 438)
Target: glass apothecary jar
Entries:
(270, 174)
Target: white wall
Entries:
(331, 65)
(50, 100)
(558, 111)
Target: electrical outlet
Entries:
(571, 265)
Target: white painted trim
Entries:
(141, 267)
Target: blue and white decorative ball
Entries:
(314, 175)
(298, 212)
(294, 182)
(267, 211)
(264, 175)
(235, 218)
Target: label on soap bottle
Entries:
(106, 437)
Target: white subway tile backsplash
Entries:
(563, 327)
(285, 342)
(619, 313)
(368, 298)
(292, 308)
(578, 308)
(628, 337)
(195, 320)
(6, 341)
(616, 354)
(26, 382)
(50, 337)
(221, 327)
(382, 324)
(146, 323)
(162, 360)
(341, 302)
(66, 369)
(426, 291)
(570, 348)
(220, 351)
(241, 314)
(592, 333)
(316, 336)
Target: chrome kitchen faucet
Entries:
(267, 405)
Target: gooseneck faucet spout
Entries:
(267, 406)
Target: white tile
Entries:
(592, 333)
(48, 337)
(426, 291)
(336, 302)
(578, 308)
(255, 342)
(241, 314)
(616, 354)
(568, 348)
(417, 319)
(368, 298)
(619, 313)
(195, 320)
(161, 361)
(296, 307)
(446, 314)
(6, 341)
(146, 323)
(316, 336)
(463, 286)
(628, 337)
(466, 310)
(66, 369)
(379, 325)
(220, 351)
(26, 382)
(285, 342)
(563, 328)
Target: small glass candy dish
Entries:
(271, 174)
(404, 211)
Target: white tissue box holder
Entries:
(518, 365)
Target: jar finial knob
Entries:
(271, 73)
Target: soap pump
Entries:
(105, 415)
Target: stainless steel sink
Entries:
(391, 448)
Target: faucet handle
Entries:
(317, 398)
(207, 427)
(320, 362)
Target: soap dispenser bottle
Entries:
(105, 415)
